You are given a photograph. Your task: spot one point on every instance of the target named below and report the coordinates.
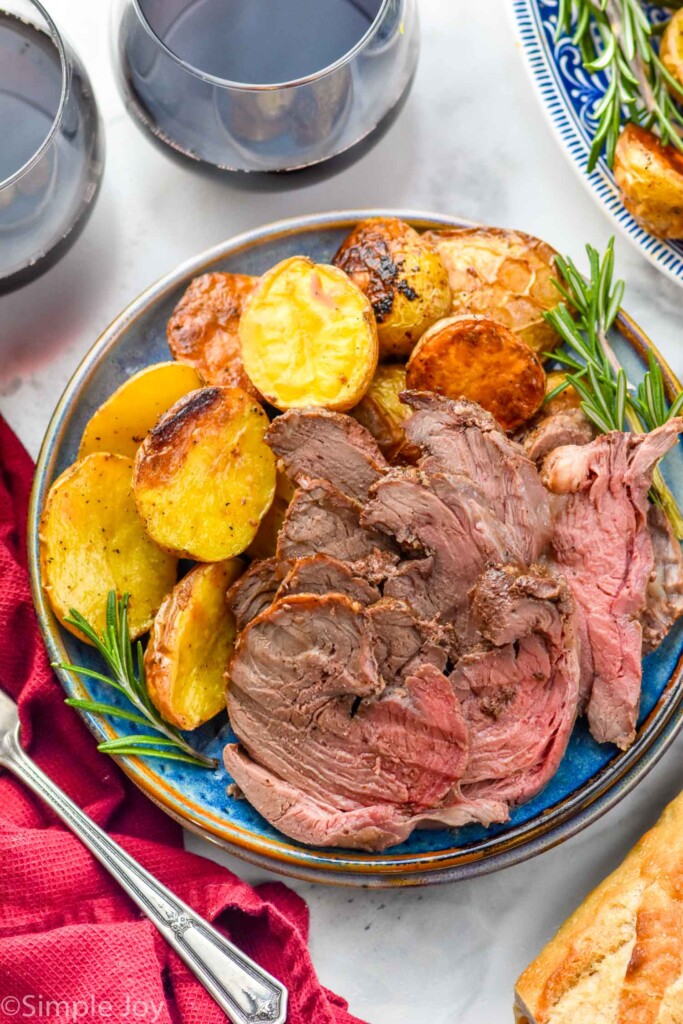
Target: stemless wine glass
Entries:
(51, 148)
(264, 85)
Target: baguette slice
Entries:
(619, 957)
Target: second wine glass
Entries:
(258, 85)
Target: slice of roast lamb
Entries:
(254, 591)
(453, 543)
(459, 437)
(664, 595)
(315, 444)
(329, 753)
(322, 574)
(322, 520)
(402, 643)
(568, 426)
(519, 691)
(604, 548)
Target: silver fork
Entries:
(245, 992)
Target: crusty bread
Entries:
(619, 957)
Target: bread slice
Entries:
(619, 957)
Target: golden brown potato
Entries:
(203, 330)
(264, 543)
(121, 423)
(190, 645)
(671, 49)
(567, 399)
(480, 359)
(402, 275)
(503, 274)
(650, 177)
(381, 411)
(308, 337)
(92, 541)
(204, 477)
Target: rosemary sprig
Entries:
(116, 649)
(607, 398)
(616, 36)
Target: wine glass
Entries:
(264, 85)
(51, 148)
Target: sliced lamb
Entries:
(318, 445)
(402, 643)
(322, 520)
(461, 438)
(604, 548)
(568, 426)
(664, 596)
(519, 692)
(455, 542)
(254, 591)
(329, 753)
(322, 574)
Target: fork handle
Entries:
(245, 992)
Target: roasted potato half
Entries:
(264, 544)
(381, 411)
(478, 358)
(403, 277)
(671, 49)
(502, 274)
(567, 399)
(122, 422)
(92, 540)
(309, 337)
(190, 645)
(650, 177)
(203, 330)
(204, 477)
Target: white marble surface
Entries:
(471, 140)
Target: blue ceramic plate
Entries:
(569, 96)
(591, 778)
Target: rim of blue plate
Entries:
(342, 867)
(575, 138)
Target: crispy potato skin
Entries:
(309, 337)
(264, 544)
(204, 476)
(671, 48)
(567, 399)
(190, 646)
(650, 177)
(403, 277)
(503, 274)
(93, 541)
(203, 329)
(121, 423)
(480, 359)
(381, 411)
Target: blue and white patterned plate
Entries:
(569, 96)
(591, 778)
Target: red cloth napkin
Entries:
(72, 945)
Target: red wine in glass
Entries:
(264, 85)
(51, 150)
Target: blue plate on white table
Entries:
(569, 96)
(591, 778)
